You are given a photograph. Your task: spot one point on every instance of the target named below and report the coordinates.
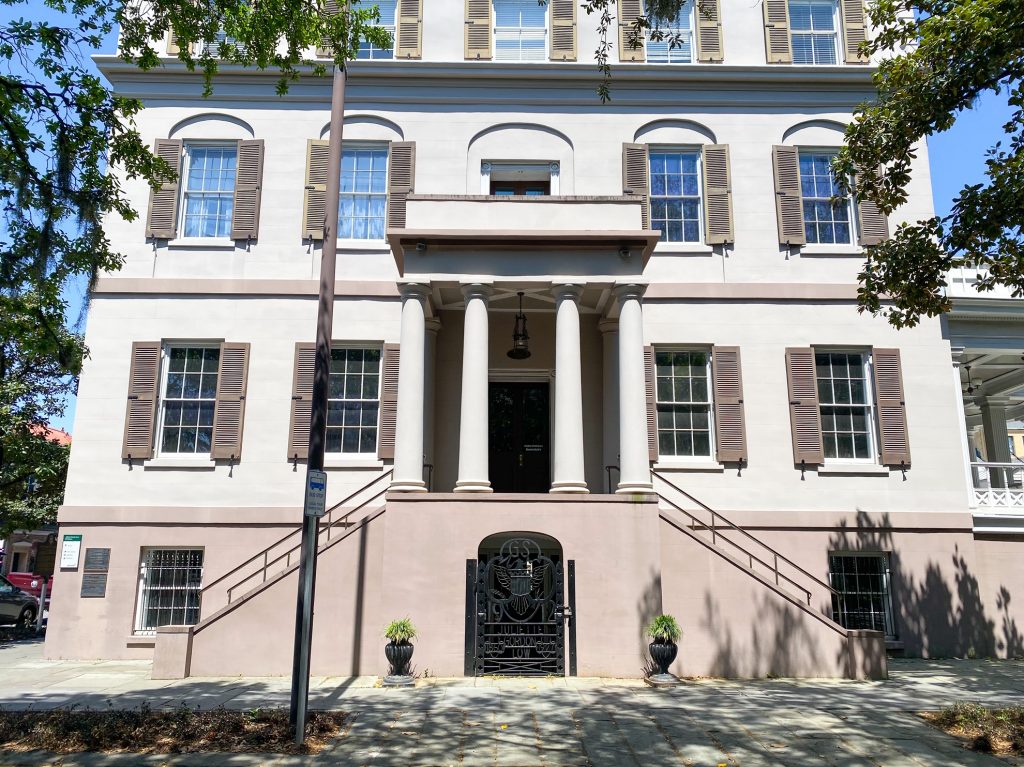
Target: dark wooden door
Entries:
(520, 446)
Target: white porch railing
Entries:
(998, 486)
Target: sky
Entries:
(956, 158)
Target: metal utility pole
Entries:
(315, 478)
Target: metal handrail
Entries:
(265, 552)
(717, 516)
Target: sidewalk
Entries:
(571, 721)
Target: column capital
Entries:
(482, 290)
(418, 290)
(627, 290)
(992, 400)
(608, 325)
(571, 290)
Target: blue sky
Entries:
(957, 158)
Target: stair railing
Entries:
(776, 557)
(327, 523)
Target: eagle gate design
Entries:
(519, 614)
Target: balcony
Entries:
(962, 283)
(998, 487)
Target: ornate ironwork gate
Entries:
(515, 612)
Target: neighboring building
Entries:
(696, 350)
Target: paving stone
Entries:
(603, 743)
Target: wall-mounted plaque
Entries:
(69, 550)
(97, 560)
(94, 585)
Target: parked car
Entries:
(17, 606)
(32, 584)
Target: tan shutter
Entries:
(854, 31)
(651, 384)
(478, 29)
(302, 400)
(388, 401)
(314, 202)
(245, 215)
(789, 204)
(140, 414)
(717, 194)
(776, 32)
(709, 31)
(727, 383)
(173, 49)
(162, 216)
(629, 12)
(409, 29)
(401, 180)
(892, 409)
(873, 224)
(229, 410)
(635, 170)
(325, 50)
(563, 30)
(804, 413)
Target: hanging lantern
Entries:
(520, 338)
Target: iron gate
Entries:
(516, 613)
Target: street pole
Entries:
(318, 420)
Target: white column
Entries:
(474, 426)
(965, 447)
(634, 461)
(433, 325)
(610, 414)
(569, 474)
(997, 446)
(408, 476)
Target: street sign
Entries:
(316, 493)
(69, 551)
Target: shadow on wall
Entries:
(647, 607)
(936, 616)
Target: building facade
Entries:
(704, 425)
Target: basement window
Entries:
(862, 599)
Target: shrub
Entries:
(400, 631)
(664, 629)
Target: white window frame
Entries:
(368, 346)
(165, 368)
(837, 30)
(869, 396)
(391, 28)
(183, 192)
(140, 598)
(889, 615)
(498, 31)
(675, 458)
(679, 149)
(670, 28)
(488, 167)
(848, 197)
(366, 145)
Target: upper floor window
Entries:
(826, 220)
(683, 393)
(520, 30)
(189, 399)
(676, 43)
(364, 192)
(675, 194)
(813, 26)
(530, 179)
(353, 402)
(368, 50)
(847, 414)
(209, 189)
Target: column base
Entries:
(634, 487)
(569, 487)
(407, 486)
(473, 486)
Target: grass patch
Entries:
(997, 731)
(176, 731)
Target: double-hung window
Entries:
(189, 397)
(675, 194)
(170, 581)
(364, 192)
(368, 50)
(675, 38)
(828, 211)
(353, 403)
(862, 599)
(846, 402)
(209, 189)
(814, 27)
(520, 30)
(683, 392)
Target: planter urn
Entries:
(662, 653)
(399, 655)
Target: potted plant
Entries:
(398, 650)
(663, 631)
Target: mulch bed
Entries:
(997, 731)
(175, 731)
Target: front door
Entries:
(519, 453)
